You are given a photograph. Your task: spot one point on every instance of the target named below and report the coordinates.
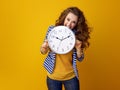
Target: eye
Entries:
(68, 19)
(74, 22)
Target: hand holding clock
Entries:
(61, 40)
(44, 48)
(78, 45)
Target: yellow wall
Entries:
(23, 24)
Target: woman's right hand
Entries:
(45, 44)
(44, 48)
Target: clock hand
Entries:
(59, 38)
(66, 37)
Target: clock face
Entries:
(61, 39)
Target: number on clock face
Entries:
(61, 39)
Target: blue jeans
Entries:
(72, 84)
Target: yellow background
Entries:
(23, 24)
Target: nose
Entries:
(68, 24)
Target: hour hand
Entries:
(58, 38)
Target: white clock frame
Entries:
(61, 39)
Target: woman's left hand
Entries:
(78, 44)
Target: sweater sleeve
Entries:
(49, 29)
(81, 58)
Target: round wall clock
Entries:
(61, 39)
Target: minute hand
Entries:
(66, 37)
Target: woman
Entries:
(61, 68)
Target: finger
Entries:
(45, 41)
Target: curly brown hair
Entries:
(82, 31)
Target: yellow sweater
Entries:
(63, 68)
